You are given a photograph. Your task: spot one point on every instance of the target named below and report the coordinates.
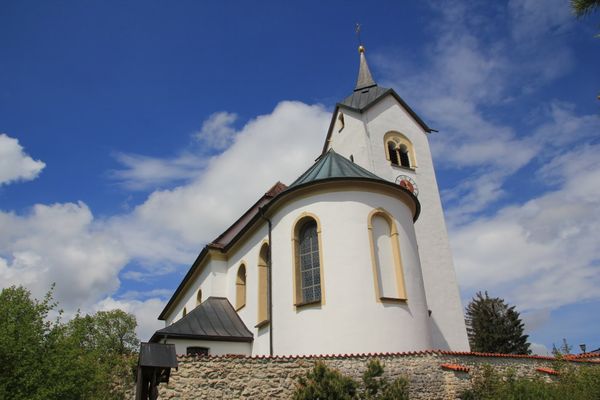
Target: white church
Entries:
(352, 257)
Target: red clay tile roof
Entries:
(226, 237)
(548, 371)
(455, 367)
(397, 354)
(582, 356)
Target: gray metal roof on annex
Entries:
(333, 165)
(213, 319)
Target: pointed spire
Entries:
(365, 80)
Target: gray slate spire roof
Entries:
(367, 93)
(333, 165)
(365, 79)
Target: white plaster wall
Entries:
(351, 141)
(248, 253)
(216, 348)
(212, 283)
(351, 320)
(218, 279)
(447, 321)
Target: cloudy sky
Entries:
(132, 133)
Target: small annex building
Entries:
(352, 257)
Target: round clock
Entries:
(408, 183)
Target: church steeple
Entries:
(365, 80)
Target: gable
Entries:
(362, 100)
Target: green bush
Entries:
(582, 383)
(324, 383)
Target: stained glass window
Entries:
(310, 269)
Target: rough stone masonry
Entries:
(431, 374)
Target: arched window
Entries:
(308, 282)
(184, 312)
(399, 150)
(240, 287)
(199, 297)
(385, 254)
(263, 271)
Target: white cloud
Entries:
(172, 225)
(15, 164)
(146, 313)
(60, 243)
(217, 131)
(539, 349)
(542, 253)
(534, 20)
(64, 243)
(144, 172)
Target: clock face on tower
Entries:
(408, 183)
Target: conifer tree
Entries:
(495, 327)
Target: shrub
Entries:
(582, 383)
(324, 383)
(376, 387)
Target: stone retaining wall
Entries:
(234, 377)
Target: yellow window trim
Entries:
(400, 139)
(262, 299)
(400, 284)
(241, 287)
(297, 300)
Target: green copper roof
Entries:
(333, 165)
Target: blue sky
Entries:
(131, 133)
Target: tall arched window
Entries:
(308, 282)
(240, 287)
(399, 150)
(263, 271)
(385, 254)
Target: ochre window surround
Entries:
(240, 287)
(263, 270)
(386, 258)
(399, 151)
(307, 247)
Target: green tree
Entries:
(584, 7)
(23, 332)
(495, 327)
(89, 357)
(563, 350)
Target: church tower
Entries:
(376, 129)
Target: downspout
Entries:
(269, 283)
